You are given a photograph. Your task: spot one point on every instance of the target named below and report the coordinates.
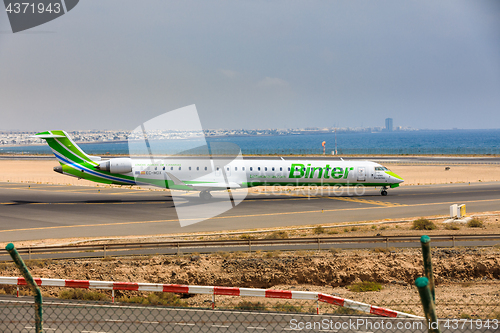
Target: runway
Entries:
(30, 212)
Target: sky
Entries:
(115, 64)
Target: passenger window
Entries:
(205, 168)
(156, 168)
(243, 169)
(171, 168)
(197, 168)
(179, 168)
(265, 168)
(235, 168)
(163, 168)
(272, 169)
(251, 168)
(258, 168)
(288, 168)
(281, 168)
(189, 168)
(296, 168)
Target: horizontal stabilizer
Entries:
(176, 180)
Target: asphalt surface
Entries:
(29, 212)
(70, 316)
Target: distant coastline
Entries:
(446, 142)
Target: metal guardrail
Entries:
(247, 242)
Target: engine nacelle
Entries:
(116, 165)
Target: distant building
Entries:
(388, 124)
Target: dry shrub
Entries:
(452, 226)
(277, 235)
(365, 286)
(423, 224)
(475, 223)
(319, 230)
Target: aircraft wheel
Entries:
(383, 192)
(205, 195)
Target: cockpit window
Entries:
(381, 169)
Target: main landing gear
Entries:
(384, 191)
(205, 195)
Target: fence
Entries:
(252, 244)
(248, 315)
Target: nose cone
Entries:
(395, 178)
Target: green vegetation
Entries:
(465, 316)
(475, 223)
(287, 307)
(277, 235)
(333, 232)
(167, 299)
(346, 311)
(247, 305)
(41, 263)
(319, 230)
(354, 228)
(363, 286)
(380, 250)
(83, 295)
(272, 254)
(452, 226)
(245, 236)
(423, 224)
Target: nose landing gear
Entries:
(384, 191)
(205, 195)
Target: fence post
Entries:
(426, 252)
(31, 282)
(422, 284)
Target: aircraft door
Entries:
(361, 173)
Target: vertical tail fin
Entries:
(65, 149)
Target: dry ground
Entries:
(467, 279)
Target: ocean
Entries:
(452, 142)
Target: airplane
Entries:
(210, 174)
